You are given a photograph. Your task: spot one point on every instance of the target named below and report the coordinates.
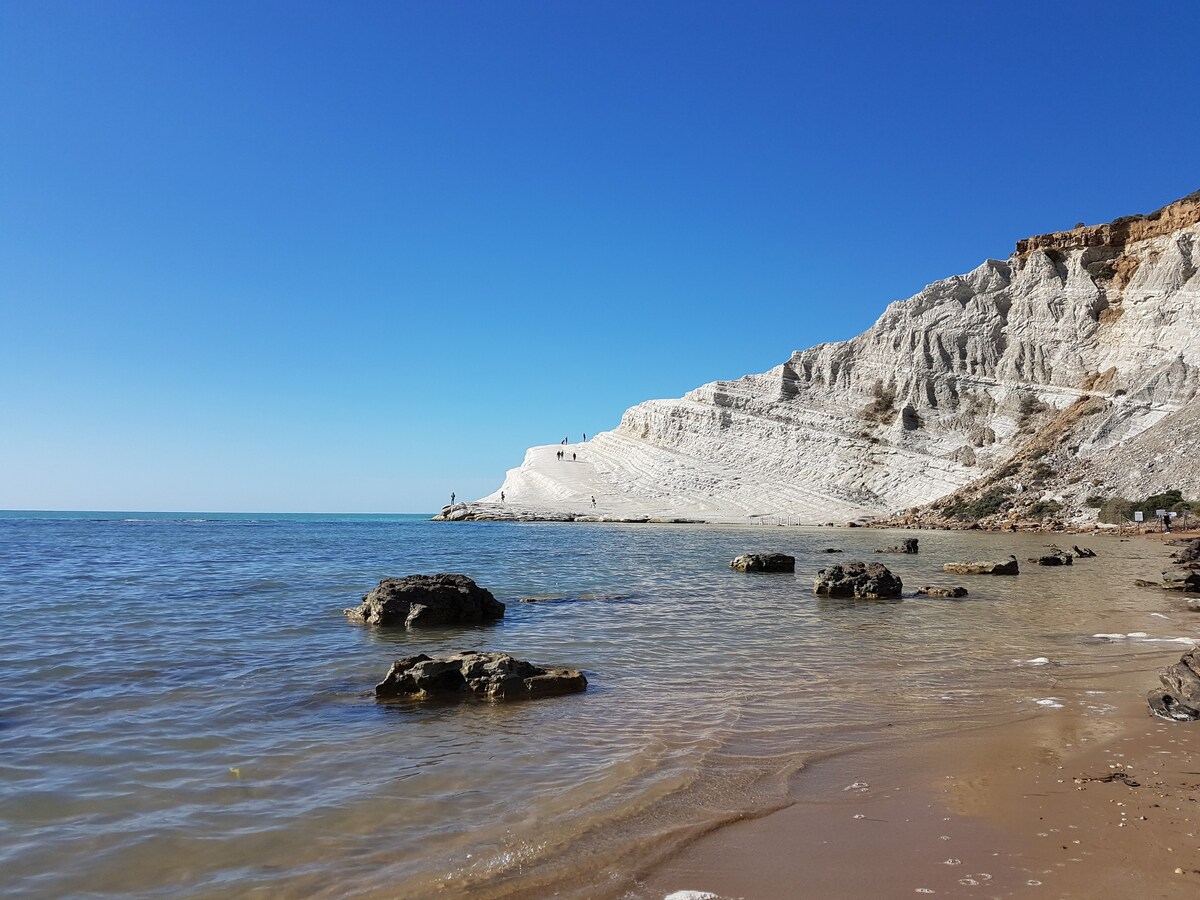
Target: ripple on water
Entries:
(186, 708)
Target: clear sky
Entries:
(288, 256)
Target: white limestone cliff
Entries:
(942, 390)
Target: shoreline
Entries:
(488, 512)
(1039, 807)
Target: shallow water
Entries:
(184, 711)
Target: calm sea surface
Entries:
(185, 712)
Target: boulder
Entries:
(1007, 567)
(1189, 552)
(942, 591)
(1055, 557)
(764, 562)
(1181, 580)
(908, 545)
(1179, 697)
(427, 600)
(475, 675)
(865, 581)
(829, 550)
(1084, 553)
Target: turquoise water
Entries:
(184, 710)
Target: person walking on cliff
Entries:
(502, 496)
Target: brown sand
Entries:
(1018, 810)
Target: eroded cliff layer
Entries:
(946, 388)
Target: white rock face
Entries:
(945, 386)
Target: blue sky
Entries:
(285, 256)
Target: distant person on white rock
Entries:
(452, 498)
(502, 496)
(572, 457)
(585, 437)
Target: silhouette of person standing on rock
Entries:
(502, 496)
(572, 457)
(452, 498)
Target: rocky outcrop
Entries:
(418, 600)
(764, 562)
(1005, 567)
(908, 545)
(941, 592)
(1076, 362)
(1185, 579)
(863, 581)
(1188, 553)
(1055, 557)
(1179, 697)
(475, 675)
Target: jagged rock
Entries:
(1190, 552)
(866, 581)
(764, 562)
(942, 591)
(1181, 580)
(1179, 697)
(1055, 558)
(416, 600)
(1007, 567)
(471, 674)
(908, 545)
(1084, 553)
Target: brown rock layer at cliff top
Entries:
(1119, 232)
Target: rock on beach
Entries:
(1006, 567)
(418, 600)
(928, 591)
(764, 562)
(1179, 697)
(475, 675)
(863, 581)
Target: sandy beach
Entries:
(1064, 803)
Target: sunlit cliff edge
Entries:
(1079, 351)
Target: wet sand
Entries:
(1019, 810)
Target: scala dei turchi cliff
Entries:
(1068, 369)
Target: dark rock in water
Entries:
(908, 545)
(1007, 567)
(467, 675)
(764, 562)
(1190, 552)
(1055, 558)
(1141, 582)
(427, 600)
(1084, 553)
(829, 550)
(942, 592)
(865, 581)
(1179, 697)
(1181, 580)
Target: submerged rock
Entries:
(1179, 697)
(764, 562)
(942, 591)
(1055, 557)
(908, 545)
(865, 581)
(417, 600)
(472, 674)
(829, 550)
(1007, 567)
(1084, 553)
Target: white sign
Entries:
(1137, 516)
(1173, 514)
(1160, 513)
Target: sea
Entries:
(186, 712)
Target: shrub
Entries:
(993, 501)
(1094, 502)
(1044, 508)
(1006, 470)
